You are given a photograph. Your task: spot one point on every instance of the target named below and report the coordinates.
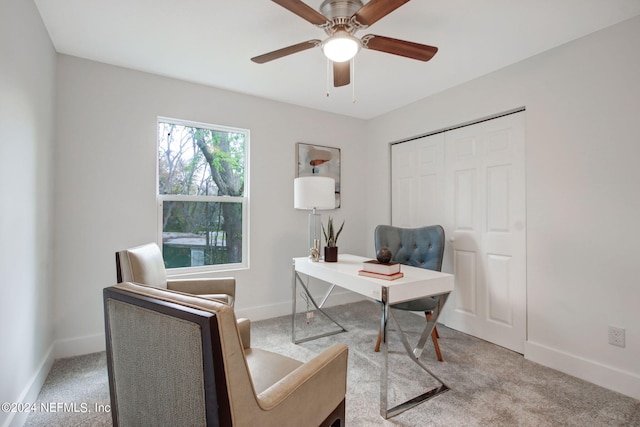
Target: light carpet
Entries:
(490, 386)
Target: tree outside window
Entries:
(202, 194)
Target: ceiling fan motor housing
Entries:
(339, 8)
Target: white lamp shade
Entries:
(341, 47)
(311, 192)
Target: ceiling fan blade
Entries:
(341, 73)
(276, 54)
(375, 10)
(303, 10)
(412, 50)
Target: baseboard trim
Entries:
(87, 344)
(32, 389)
(270, 311)
(70, 347)
(605, 376)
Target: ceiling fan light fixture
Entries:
(341, 46)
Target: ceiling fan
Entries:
(340, 19)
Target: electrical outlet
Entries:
(616, 336)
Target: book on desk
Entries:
(393, 276)
(378, 270)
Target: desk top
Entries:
(416, 283)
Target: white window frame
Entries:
(161, 198)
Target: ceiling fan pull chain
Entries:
(353, 79)
(328, 77)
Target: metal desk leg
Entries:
(426, 333)
(295, 280)
(384, 373)
(414, 354)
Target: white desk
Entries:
(416, 283)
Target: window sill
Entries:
(186, 272)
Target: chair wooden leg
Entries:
(378, 342)
(435, 328)
(434, 338)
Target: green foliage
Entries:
(329, 235)
(199, 161)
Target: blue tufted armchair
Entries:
(419, 247)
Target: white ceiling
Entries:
(211, 42)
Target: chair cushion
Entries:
(268, 368)
(144, 264)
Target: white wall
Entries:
(105, 185)
(582, 108)
(27, 66)
(582, 105)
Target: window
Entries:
(202, 194)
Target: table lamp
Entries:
(312, 193)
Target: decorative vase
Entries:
(331, 254)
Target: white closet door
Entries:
(485, 190)
(471, 181)
(417, 188)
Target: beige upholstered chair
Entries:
(144, 264)
(180, 360)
